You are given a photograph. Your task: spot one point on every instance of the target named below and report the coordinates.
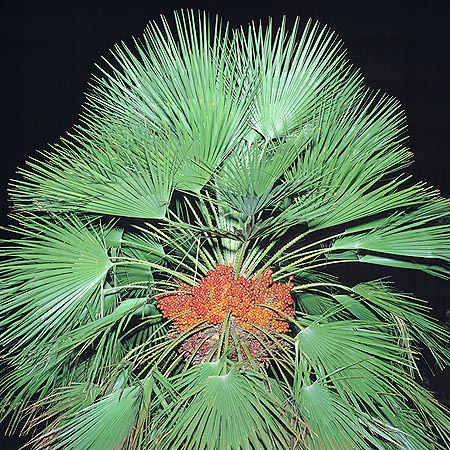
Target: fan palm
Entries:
(174, 276)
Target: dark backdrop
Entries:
(49, 49)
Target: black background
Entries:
(48, 51)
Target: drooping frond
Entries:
(334, 356)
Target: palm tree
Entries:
(174, 278)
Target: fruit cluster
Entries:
(253, 302)
(228, 340)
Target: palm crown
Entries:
(172, 280)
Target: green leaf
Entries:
(354, 369)
(225, 409)
(115, 416)
(295, 72)
(51, 275)
(109, 177)
(412, 318)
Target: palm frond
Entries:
(295, 74)
(107, 177)
(334, 357)
(54, 273)
(410, 316)
(118, 416)
(221, 408)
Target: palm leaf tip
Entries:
(174, 276)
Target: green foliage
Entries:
(232, 409)
(258, 148)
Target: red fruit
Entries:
(253, 302)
